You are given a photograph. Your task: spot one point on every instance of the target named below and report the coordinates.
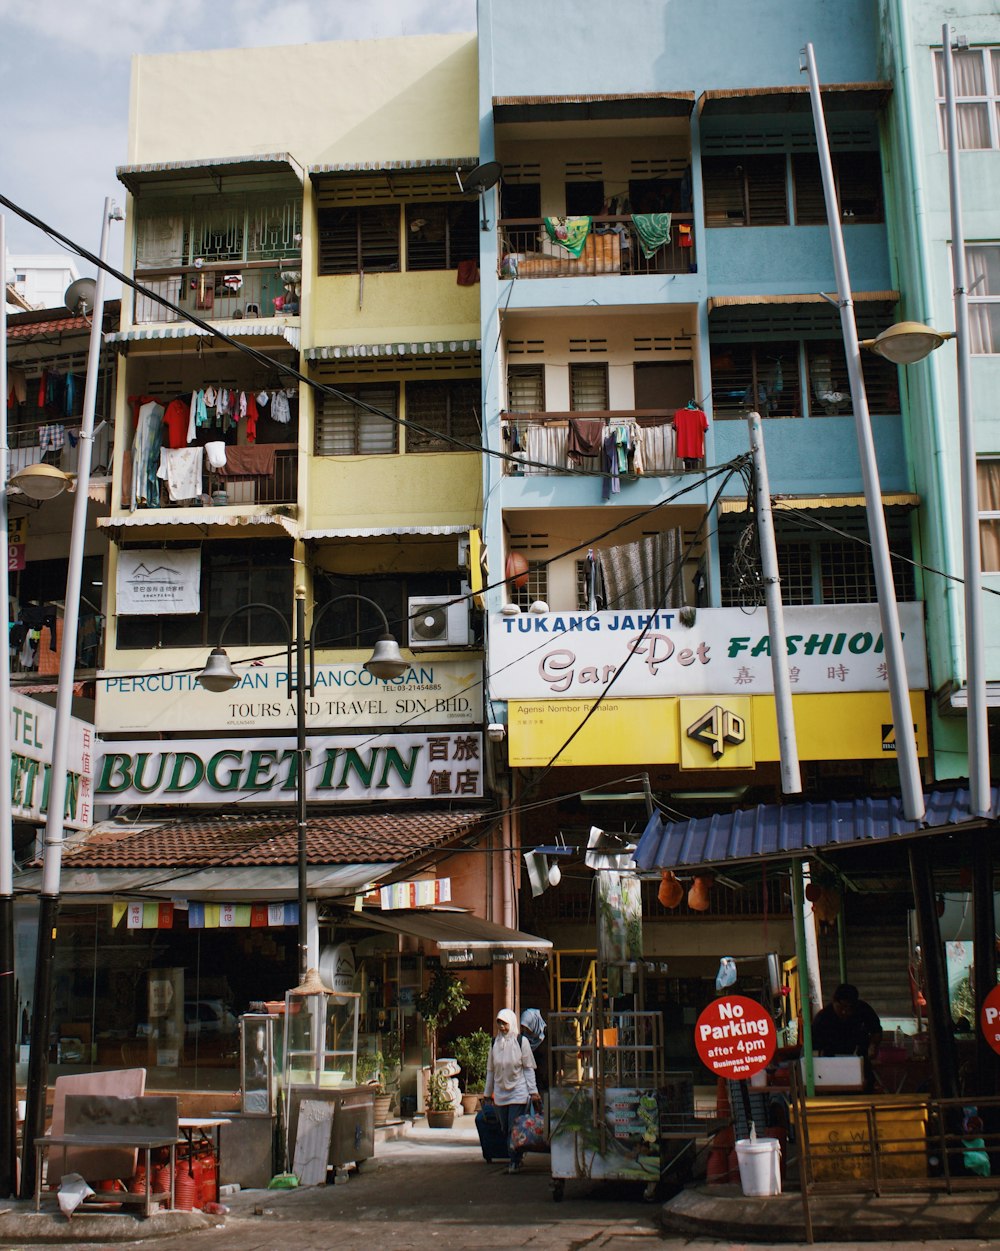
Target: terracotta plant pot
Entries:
(470, 1104)
(441, 1120)
(383, 1108)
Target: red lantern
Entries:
(517, 570)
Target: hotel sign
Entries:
(429, 693)
(32, 729)
(833, 648)
(265, 771)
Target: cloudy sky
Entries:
(64, 81)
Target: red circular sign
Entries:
(735, 1037)
(989, 1018)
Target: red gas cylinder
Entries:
(110, 1185)
(137, 1182)
(185, 1187)
(161, 1182)
(209, 1176)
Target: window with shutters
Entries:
(526, 389)
(447, 414)
(748, 377)
(588, 388)
(857, 177)
(353, 239)
(346, 428)
(746, 190)
(353, 623)
(438, 236)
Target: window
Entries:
(438, 236)
(232, 574)
(988, 483)
(857, 177)
(748, 376)
(584, 199)
(983, 276)
(745, 191)
(663, 384)
(446, 410)
(344, 428)
(588, 388)
(353, 623)
(355, 239)
(536, 587)
(521, 200)
(526, 389)
(977, 96)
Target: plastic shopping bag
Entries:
(528, 1133)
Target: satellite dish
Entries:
(482, 177)
(79, 295)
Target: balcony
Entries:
(612, 247)
(221, 291)
(55, 441)
(255, 474)
(543, 438)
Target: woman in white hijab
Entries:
(510, 1079)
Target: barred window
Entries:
(438, 236)
(526, 389)
(355, 239)
(345, 429)
(748, 190)
(446, 410)
(588, 388)
(750, 377)
(536, 587)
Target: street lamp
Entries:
(386, 661)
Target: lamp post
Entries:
(904, 344)
(55, 817)
(911, 788)
(386, 661)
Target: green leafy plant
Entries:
(440, 1003)
(472, 1051)
(371, 1069)
(438, 1095)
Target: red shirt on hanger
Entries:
(690, 425)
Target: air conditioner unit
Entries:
(436, 621)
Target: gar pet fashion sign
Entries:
(199, 771)
(152, 582)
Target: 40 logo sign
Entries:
(718, 727)
(735, 1037)
(716, 733)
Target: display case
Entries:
(320, 1046)
(257, 1064)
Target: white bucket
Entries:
(760, 1165)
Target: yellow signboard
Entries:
(730, 732)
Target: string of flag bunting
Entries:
(205, 916)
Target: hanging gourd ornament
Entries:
(671, 892)
(698, 895)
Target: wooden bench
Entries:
(98, 1128)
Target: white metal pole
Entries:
(791, 780)
(8, 1003)
(55, 817)
(911, 787)
(977, 724)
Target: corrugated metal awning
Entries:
(360, 351)
(373, 532)
(794, 98)
(592, 107)
(783, 831)
(892, 499)
(462, 939)
(811, 297)
(202, 517)
(214, 168)
(240, 328)
(427, 165)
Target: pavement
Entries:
(434, 1186)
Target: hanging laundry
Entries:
(215, 454)
(181, 468)
(569, 232)
(51, 438)
(201, 417)
(609, 465)
(251, 418)
(585, 438)
(263, 399)
(211, 396)
(177, 420)
(70, 397)
(690, 424)
(280, 411)
(18, 387)
(653, 230)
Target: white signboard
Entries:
(32, 726)
(576, 655)
(263, 771)
(155, 582)
(430, 692)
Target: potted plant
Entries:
(440, 1003)
(371, 1073)
(472, 1051)
(440, 1107)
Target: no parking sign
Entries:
(735, 1037)
(989, 1018)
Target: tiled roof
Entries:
(272, 840)
(55, 325)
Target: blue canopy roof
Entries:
(772, 831)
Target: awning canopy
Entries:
(808, 297)
(592, 107)
(213, 169)
(794, 98)
(245, 328)
(204, 518)
(464, 940)
(786, 831)
(375, 532)
(426, 165)
(894, 499)
(365, 351)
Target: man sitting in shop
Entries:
(848, 1027)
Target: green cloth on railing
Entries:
(569, 232)
(653, 230)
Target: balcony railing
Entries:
(37, 659)
(612, 247)
(543, 438)
(220, 291)
(56, 442)
(280, 486)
